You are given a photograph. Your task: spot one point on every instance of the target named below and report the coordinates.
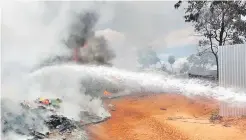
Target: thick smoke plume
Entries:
(91, 49)
(82, 29)
(97, 52)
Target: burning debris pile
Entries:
(96, 52)
(40, 120)
(89, 49)
(86, 47)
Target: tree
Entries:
(147, 57)
(201, 64)
(164, 67)
(202, 61)
(171, 60)
(184, 68)
(218, 22)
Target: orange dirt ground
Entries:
(166, 117)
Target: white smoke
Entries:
(137, 82)
(31, 33)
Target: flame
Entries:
(107, 93)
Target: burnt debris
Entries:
(63, 124)
(32, 120)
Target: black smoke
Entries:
(81, 32)
(82, 29)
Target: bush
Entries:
(215, 116)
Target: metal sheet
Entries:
(232, 66)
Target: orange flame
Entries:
(106, 93)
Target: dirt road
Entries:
(165, 117)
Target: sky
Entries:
(128, 26)
(147, 23)
(155, 24)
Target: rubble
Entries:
(37, 135)
(36, 112)
(63, 124)
(55, 103)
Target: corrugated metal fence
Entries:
(232, 66)
(232, 110)
(232, 73)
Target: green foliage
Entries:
(218, 22)
(171, 59)
(147, 57)
(201, 61)
(185, 68)
(219, 19)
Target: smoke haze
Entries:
(33, 32)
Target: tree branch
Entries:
(215, 37)
(211, 46)
(177, 5)
(216, 47)
(225, 38)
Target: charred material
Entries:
(37, 135)
(30, 121)
(61, 123)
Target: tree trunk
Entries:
(222, 29)
(221, 34)
(217, 63)
(220, 42)
(172, 68)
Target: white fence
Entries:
(232, 66)
(229, 110)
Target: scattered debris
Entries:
(226, 125)
(37, 135)
(111, 107)
(163, 108)
(49, 102)
(170, 118)
(63, 124)
(177, 118)
(57, 124)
